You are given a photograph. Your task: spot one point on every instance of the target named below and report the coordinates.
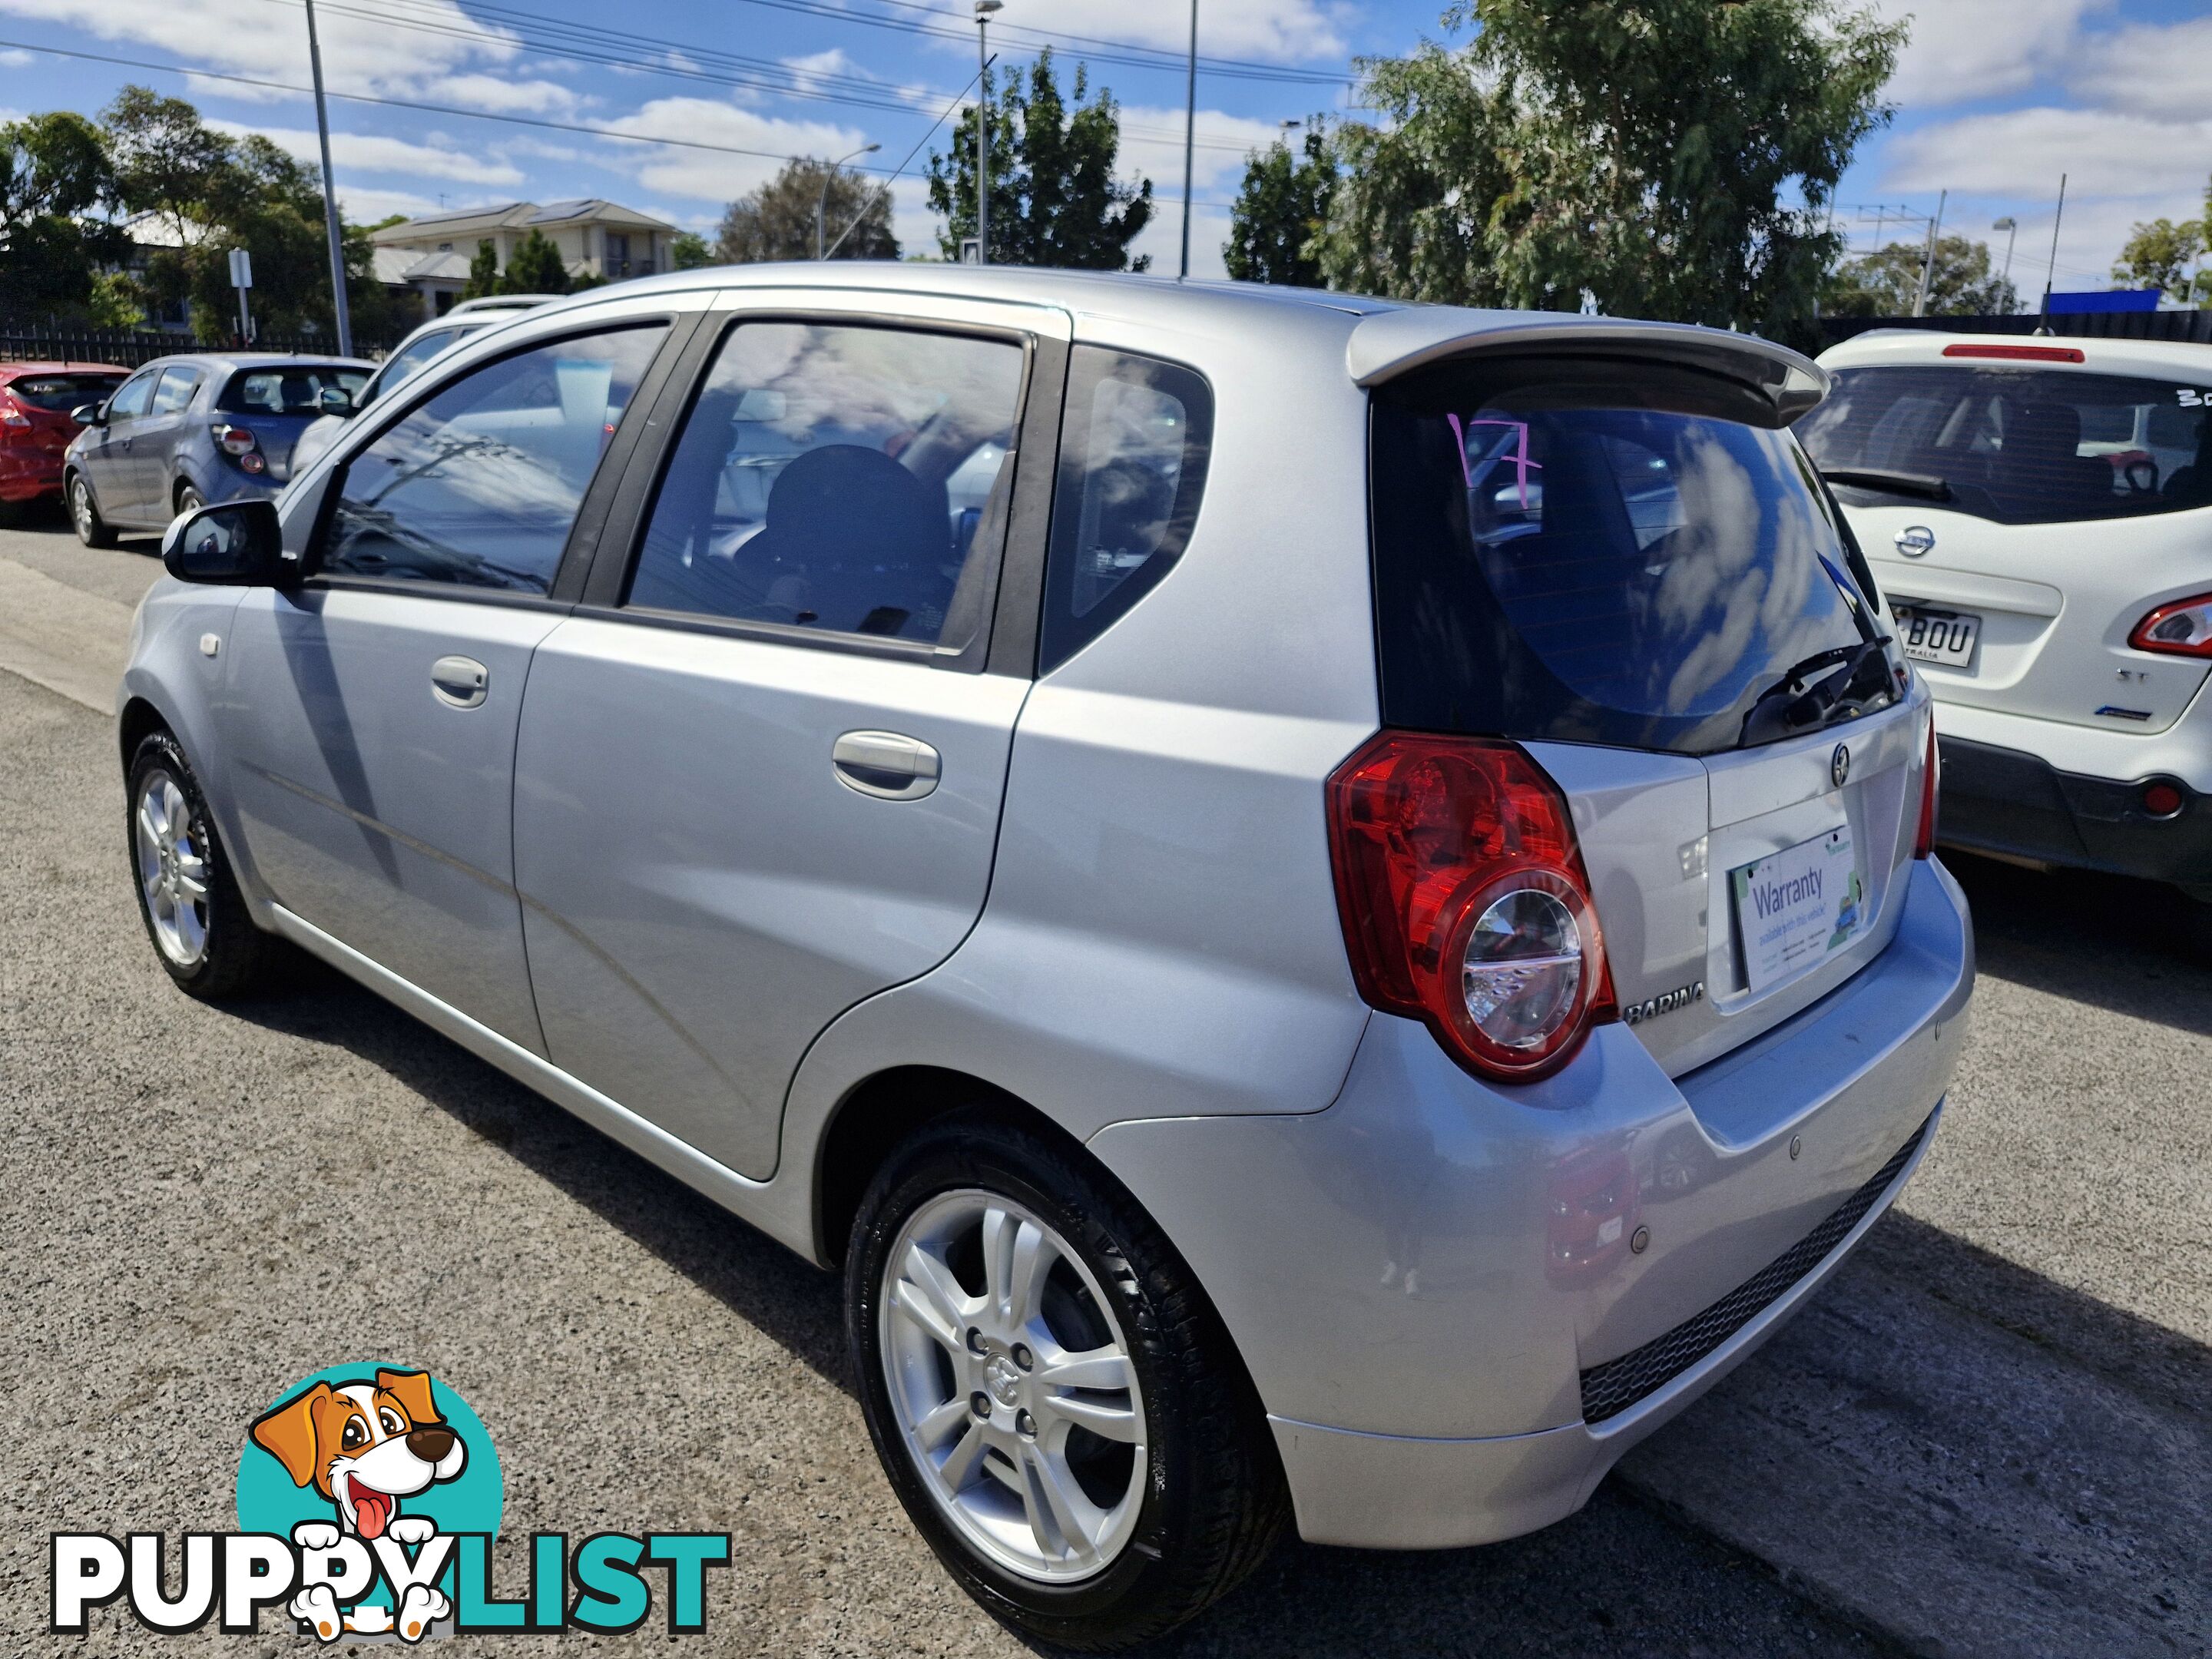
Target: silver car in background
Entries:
(1325, 908)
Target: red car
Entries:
(35, 428)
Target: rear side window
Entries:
(175, 390)
(836, 477)
(478, 485)
(62, 392)
(2018, 446)
(288, 389)
(1591, 553)
(403, 364)
(1134, 447)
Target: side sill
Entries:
(742, 1196)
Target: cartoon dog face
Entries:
(362, 1446)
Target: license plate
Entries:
(1797, 907)
(1938, 636)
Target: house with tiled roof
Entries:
(429, 257)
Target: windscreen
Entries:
(62, 392)
(2015, 445)
(1593, 553)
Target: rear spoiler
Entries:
(1390, 344)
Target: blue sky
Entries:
(1996, 98)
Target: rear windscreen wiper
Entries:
(1796, 703)
(1895, 484)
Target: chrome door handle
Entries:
(459, 682)
(885, 765)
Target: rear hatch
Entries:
(278, 402)
(2022, 516)
(1624, 563)
(38, 416)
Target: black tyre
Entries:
(1052, 1397)
(187, 897)
(84, 513)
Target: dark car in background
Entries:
(35, 428)
(202, 427)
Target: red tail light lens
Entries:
(2020, 354)
(236, 439)
(2182, 629)
(12, 415)
(1924, 846)
(1465, 902)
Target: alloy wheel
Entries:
(1012, 1386)
(172, 869)
(81, 508)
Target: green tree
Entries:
(2159, 255)
(54, 169)
(484, 273)
(1674, 158)
(689, 251)
(1887, 282)
(535, 267)
(1281, 208)
(1055, 197)
(777, 221)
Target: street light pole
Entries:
(822, 202)
(1189, 134)
(2010, 226)
(2050, 271)
(329, 194)
(983, 10)
(1928, 259)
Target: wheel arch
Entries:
(138, 721)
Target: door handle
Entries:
(885, 765)
(459, 682)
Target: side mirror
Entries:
(337, 400)
(89, 414)
(236, 544)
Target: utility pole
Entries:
(983, 10)
(1189, 135)
(329, 194)
(1928, 259)
(822, 202)
(2010, 226)
(2050, 271)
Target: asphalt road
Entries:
(1991, 1434)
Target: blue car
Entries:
(194, 428)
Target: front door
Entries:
(376, 725)
(153, 440)
(759, 773)
(107, 456)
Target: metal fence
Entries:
(128, 348)
(2183, 325)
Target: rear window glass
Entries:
(2020, 446)
(287, 389)
(1579, 553)
(62, 392)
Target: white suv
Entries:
(2038, 513)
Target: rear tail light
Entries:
(2182, 629)
(235, 440)
(1465, 902)
(13, 415)
(1923, 845)
(2020, 354)
(2162, 801)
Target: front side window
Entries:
(1600, 556)
(2016, 445)
(835, 476)
(1133, 447)
(133, 399)
(405, 363)
(175, 390)
(478, 486)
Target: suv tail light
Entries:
(2182, 629)
(1923, 845)
(1465, 902)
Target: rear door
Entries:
(375, 706)
(2046, 507)
(759, 772)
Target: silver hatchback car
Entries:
(1251, 867)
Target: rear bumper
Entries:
(1437, 1286)
(27, 474)
(1995, 800)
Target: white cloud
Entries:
(14, 59)
(2022, 152)
(366, 207)
(365, 153)
(1151, 144)
(1963, 50)
(2148, 71)
(1280, 31)
(710, 175)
